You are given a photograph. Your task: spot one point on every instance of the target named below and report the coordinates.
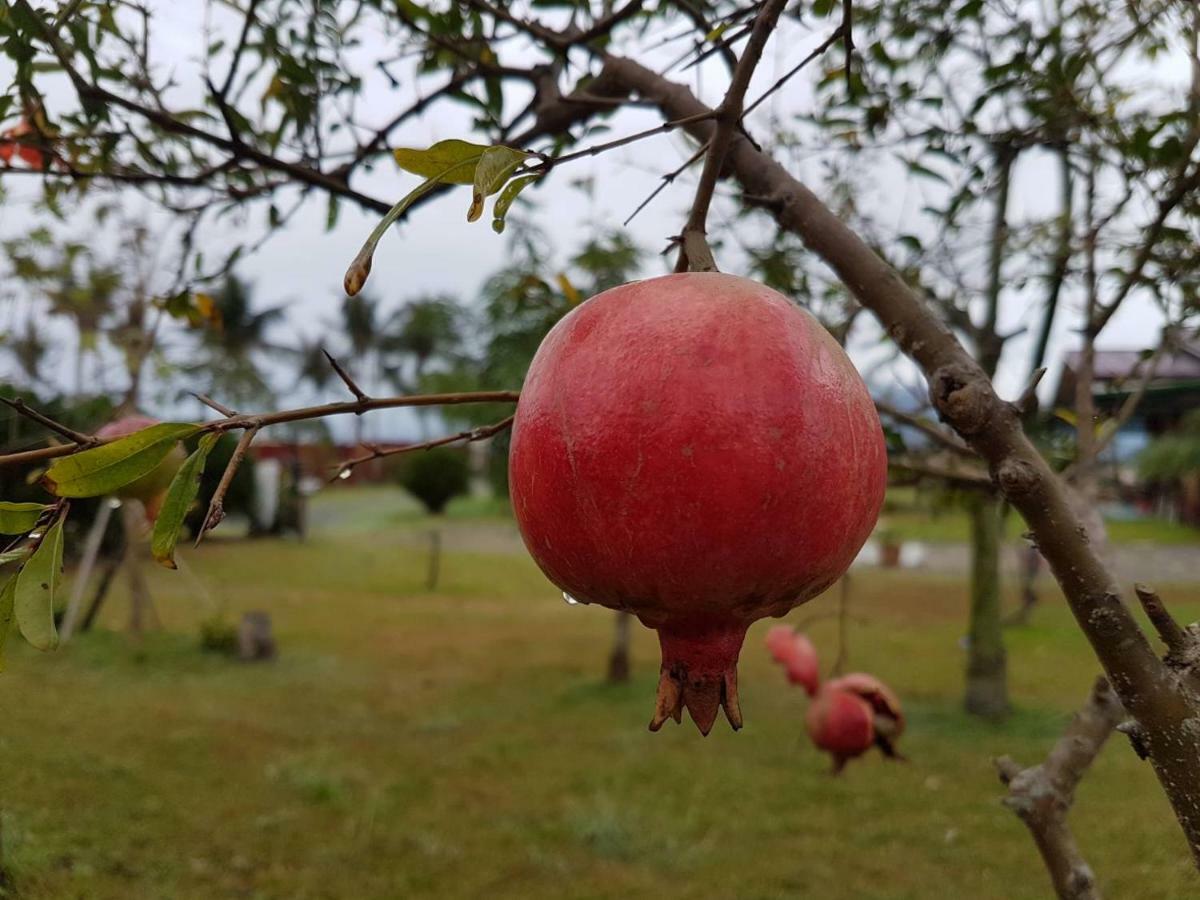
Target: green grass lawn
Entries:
(915, 518)
(463, 744)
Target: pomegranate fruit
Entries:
(796, 653)
(852, 714)
(151, 489)
(696, 450)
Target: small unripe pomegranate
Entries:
(151, 489)
(796, 653)
(697, 450)
(852, 714)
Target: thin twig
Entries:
(358, 392)
(667, 179)
(216, 506)
(792, 72)
(695, 254)
(29, 412)
(213, 404)
(1028, 399)
(474, 434)
(1175, 638)
(930, 429)
(263, 420)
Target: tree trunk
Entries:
(618, 659)
(91, 550)
(435, 559)
(106, 579)
(140, 603)
(987, 666)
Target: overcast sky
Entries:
(438, 252)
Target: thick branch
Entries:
(964, 397)
(1042, 795)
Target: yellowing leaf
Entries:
(207, 307)
(33, 600)
(569, 290)
(450, 162)
(104, 469)
(180, 496)
(494, 168)
(18, 518)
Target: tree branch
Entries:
(20, 407)
(216, 506)
(241, 421)
(484, 432)
(965, 398)
(695, 254)
(1042, 795)
(930, 429)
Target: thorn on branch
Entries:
(358, 392)
(75, 437)
(213, 404)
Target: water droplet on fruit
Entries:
(569, 600)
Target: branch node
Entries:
(359, 393)
(214, 405)
(1173, 636)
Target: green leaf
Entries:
(495, 167)
(506, 199)
(450, 162)
(104, 469)
(34, 593)
(18, 518)
(180, 496)
(13, 556)
(7, 593)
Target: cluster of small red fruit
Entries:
(847, 715)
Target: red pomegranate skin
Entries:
(840, 723)
(796, 653)
(151, 489)
(697, 450)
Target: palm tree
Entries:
(426, 330)
(232, 347)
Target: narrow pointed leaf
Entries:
(451, 162)
(7, 593)
(13, 556)
(33, 601)
(18, 518)
(495, 167)
(180, 496)
(506, 199)
(104, 469)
